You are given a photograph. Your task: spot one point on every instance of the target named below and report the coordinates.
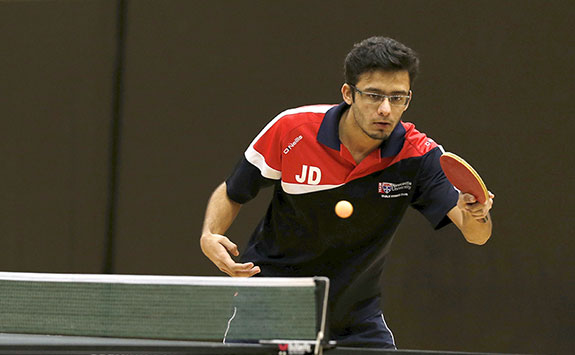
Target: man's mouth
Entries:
(382, 125)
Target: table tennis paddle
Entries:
(463, 176)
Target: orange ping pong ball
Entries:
(343, 209)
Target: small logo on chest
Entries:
(292, 144)
(392, 190)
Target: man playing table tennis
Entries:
(359, 151)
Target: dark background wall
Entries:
(200, 79)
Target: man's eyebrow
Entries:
(378, 91)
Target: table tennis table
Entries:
(20, 344)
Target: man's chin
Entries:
(379, 136)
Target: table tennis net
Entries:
(162, 307)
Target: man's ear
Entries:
(347, 93)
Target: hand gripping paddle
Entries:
(463, 176)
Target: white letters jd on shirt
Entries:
(313, 178)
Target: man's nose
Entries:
(384, 107)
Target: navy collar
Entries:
(328, 133)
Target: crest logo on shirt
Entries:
(392, 190)
(385, 187)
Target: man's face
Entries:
(377, 118)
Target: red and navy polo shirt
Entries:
(299, 152)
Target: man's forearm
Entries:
(220, 213)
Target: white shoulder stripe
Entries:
(312, 109)
(254, 157)
(299, 189)
(257, 159)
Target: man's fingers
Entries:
(478, 214)
(223, 261)
(240, 270)
(246, 270)
(230, 246)
(478, 211)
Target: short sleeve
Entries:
(434, 195)
(245, 182)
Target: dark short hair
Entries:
(380, 53)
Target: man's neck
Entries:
(354, 139)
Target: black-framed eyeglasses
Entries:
(394, 100)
